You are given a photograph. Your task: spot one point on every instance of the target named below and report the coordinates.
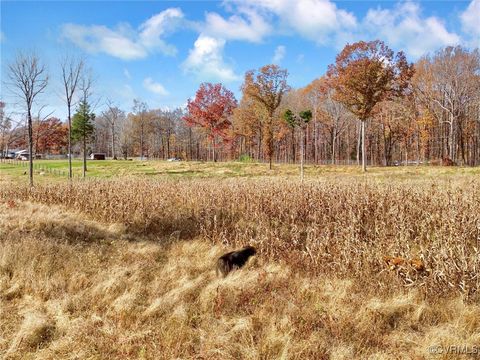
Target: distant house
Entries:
(8, 154)
(22, 155)
(25, 155)
(98, 156)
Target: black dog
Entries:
(234, 260)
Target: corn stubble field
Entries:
(348, 267)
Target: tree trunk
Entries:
(168, 144)
(84, 154)
(462, 142)
(141, 141)
(213, 150)
(406, 153)
(162, 147)
(259, 148)
(293, 145)
(364, 164)
(302, 155)
(359, 141)
(349, 152)
(476, 151)
(113, 143)
(418, 148)
(451, 149)
(385, 162)
(190, 143)
(69, 143)
(334, 138)
(30, 147)
(270, 139)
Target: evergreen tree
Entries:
(83, 128)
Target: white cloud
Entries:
(206, 60)
(279, 54)
(98, 38)
(158, 25)
(123, 41)
(2, 37)
(154, 87)
(236, 27)
(322, 21)
(127, 73)
(470, 19)
(404, 28)
(317, 20)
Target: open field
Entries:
(123, 266)
(58, 170)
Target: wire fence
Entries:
(38, 168)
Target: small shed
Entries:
(98, 156)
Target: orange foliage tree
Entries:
(267, 86)
(364, 74)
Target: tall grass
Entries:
(347, 269)
(73, 288)
(341, 228)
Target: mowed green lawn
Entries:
(57, 170)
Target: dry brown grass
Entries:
(113, 272)
(325, 227)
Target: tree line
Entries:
(370, 107)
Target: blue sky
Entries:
(160, 51)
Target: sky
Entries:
(160, 51)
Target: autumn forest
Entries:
(371, 106)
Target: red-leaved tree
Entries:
(211, 109)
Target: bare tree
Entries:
(113, 115)
(164, 125)
(71, 72)
(140, 109)
(126, 138)
(335, 118)
(28, 78)
(85, 88)
(313, 94)
(448, 82)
